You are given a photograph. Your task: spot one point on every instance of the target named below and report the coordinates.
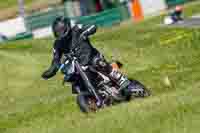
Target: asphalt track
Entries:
(192, 22)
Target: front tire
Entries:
(87, 103)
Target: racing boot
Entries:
(121, 80)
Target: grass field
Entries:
(9, 8)
(14, 3)
(150, 53)
(10, 3)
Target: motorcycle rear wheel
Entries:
(141, 94)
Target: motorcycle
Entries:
(169, 20)
(96, 90)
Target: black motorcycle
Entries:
(94, 89)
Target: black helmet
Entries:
(61, 27)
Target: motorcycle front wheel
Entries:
(86, 103)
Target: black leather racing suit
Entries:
(87, 54)
(63, 46)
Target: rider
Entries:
(176, 15)
(69, 36)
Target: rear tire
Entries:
(147, 92)
(140, 94)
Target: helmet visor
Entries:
(60, 29)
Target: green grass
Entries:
(150, 53)
(12, 3)
(10, 9)
(4, 4)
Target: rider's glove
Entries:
(83, 36)
(50, 72)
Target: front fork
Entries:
(88, 83)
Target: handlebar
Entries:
(72, 54)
